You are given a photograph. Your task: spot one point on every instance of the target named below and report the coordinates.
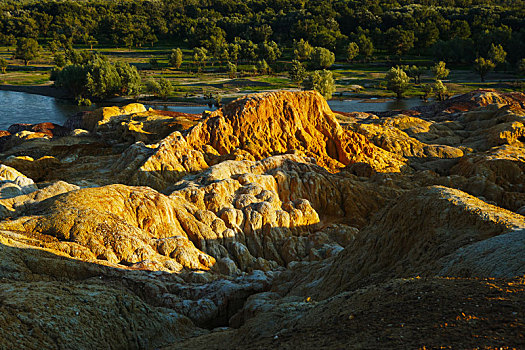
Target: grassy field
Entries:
(356, 80)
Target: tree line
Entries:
(450, 30)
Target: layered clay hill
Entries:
(273, 222)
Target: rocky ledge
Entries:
(272, 222)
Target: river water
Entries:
(20, 107)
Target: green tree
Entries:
(175, 58)
(73, 80)
(166, 88)
(81, 57)
(399, 41)
(3, 65)
(460, 29)
(366, 47)
(415, 73)
(152, 87)
(322, 58)
(200, 56)
(496, 54)
(352, 50)
(232, 69)
(129, 79)
(297, 72)
(427, 91)
(441, 90)
(483, 67)
(224, 54)
(60, 60)
(102, 79)
(440, 70)
(128, 41)
(98, 79)
(261, 33)
(234, 50)
(262, 67)
(302, 50)
(321, 81)
(27, 49)
(248, 50)
(397, 81)
(426, 35)
(53, 46)
(160, 88)
(269, 51)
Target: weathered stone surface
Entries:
(266, 215)
(418, 234)
(265, 124)
(14, 183)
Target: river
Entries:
(21, 107)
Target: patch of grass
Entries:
(214, 78)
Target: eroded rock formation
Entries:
(267, 215)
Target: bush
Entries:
(297, 72)
(160, 88)
(175, 58)
(321, 81)
(441, 90)
(322, 58)
(27, 49)
(440, 71)
(232, 70)
(99, 79)
(397, 81)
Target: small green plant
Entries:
(3, 65)
(232, 70)
(441, 90)
(84, 102)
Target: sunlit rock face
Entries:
(134, 228)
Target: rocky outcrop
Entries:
(469, 101)
(253, 128)
(419, 234)
(139, 229)
(266, 124)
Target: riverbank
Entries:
(43, 90)
(51, 91)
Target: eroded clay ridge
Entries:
(255, 127)
(274, 218)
